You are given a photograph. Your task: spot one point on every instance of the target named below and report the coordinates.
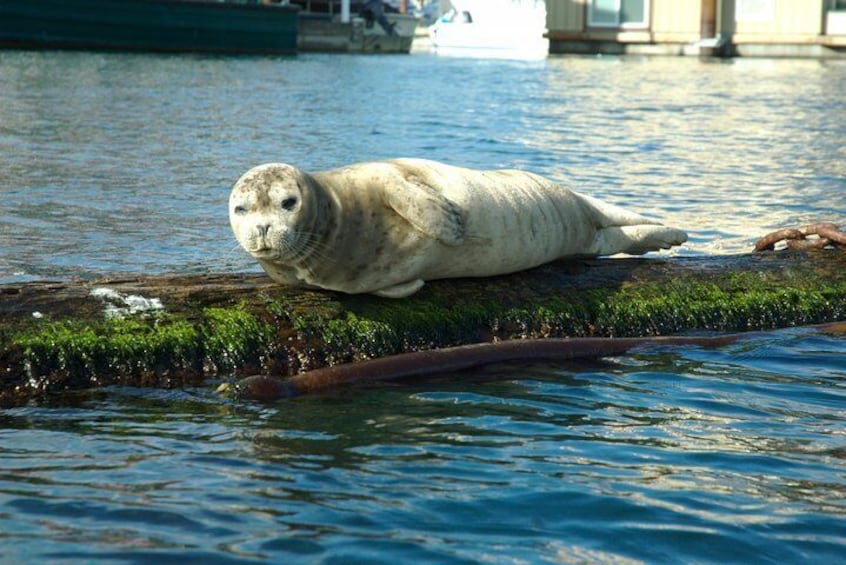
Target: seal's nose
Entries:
(262, 230)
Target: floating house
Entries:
(786, 28)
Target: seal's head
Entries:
(269, 210)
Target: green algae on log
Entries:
(171, 331)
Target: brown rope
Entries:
(822, 235)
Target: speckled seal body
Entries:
(385, 227)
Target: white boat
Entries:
(492, 28)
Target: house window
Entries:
(618, 13)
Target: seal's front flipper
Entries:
(400, 290)
(429, 211)
(281, 273)
(637, 240)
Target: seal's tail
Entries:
(622, 231)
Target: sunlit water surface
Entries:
(123, 163)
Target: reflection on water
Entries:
(726, 150)
(124, 162)
(649, 458)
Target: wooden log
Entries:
(178, 330)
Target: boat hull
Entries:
(324, 33)
(149, 25)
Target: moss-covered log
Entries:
(176, 330)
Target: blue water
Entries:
(123, 163)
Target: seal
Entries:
(385, 227)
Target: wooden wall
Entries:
(789, 18)
(676, 16)
(566, 15)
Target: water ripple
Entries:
(124, 162)
(102, 151)
(649, 458)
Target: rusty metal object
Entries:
(830, 231)
(824, 234)
(767, 243)
(819, 243)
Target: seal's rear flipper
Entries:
(607, 215)
(637, 239)
(400, 290)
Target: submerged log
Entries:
(179, 330)
(458, 358)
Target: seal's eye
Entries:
(289, 203)
(240, 210)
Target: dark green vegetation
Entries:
(224, 325)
